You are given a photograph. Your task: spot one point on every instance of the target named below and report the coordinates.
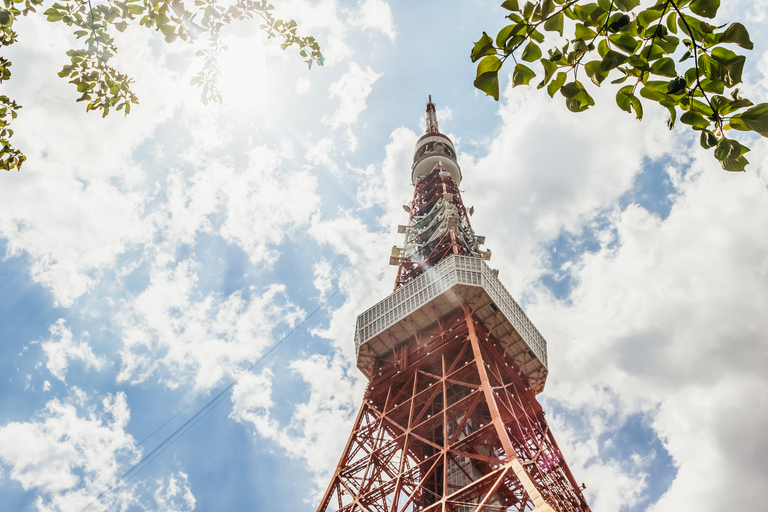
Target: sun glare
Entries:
(243, 79)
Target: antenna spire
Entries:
(431, 117)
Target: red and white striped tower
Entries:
(450, 420)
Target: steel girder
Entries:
(449, 424)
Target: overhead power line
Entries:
(216, 400)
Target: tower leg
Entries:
(451, 426)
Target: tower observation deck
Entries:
(450, 420)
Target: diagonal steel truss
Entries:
(449, 424)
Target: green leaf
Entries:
(707, 139)
(676, 86)
(595, 72)
(710, 86)
(755, 119)
(626, 5)
(6, 19)
(583, 32)
(528, 10)
(696, 120)
(487, 79)
(731, 155)
(650, 53)
(531, 52)
(511, 5)
(537, 36)
(668, 43)
(724, 106)
(603, 48)
(625, 42)
(549, 70)
(622, 98)
(710, 67)
(522, 75)
(731, 65)
(654, 94)
(672, 22)
(637, 106)
(612, 60)
(556, 84)
(618, 21)
(664, 67)
(706, 8)
(482, 48)
(507, 32)
(576, 97)
(489, 84)
(700, 107)
(672, 114)
(736, 33)
(721, 54)
(555, 23)
(650, 15)
(489, 64)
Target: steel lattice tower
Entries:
(450, 420)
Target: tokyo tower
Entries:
(449, 421)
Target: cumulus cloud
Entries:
(352, 90)
(73, 451)
(550, 171)
(78, 202)
(330, 21)
(61, 348)
(668, 315)
(614, 484)
(317, 430)
(187, 337)
(376, 15)
(174, 494)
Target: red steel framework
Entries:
(427, 192)
(449, 422)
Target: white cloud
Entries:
(173, 330)
(613, 483)
(550, 171)
(669, 316)
(69, 455)
(329, 21)
(265, 203)
(323, 278)
(257, 216)
(318, 428)
(61, 348)
(175, 495)
(376, 15)
(303, 85)
(77, 203)
(352, 90)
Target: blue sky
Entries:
(150, 261)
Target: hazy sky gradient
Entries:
(150, 261)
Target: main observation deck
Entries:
(437, 292)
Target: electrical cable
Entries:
(200, 414)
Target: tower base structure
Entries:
(448, 423)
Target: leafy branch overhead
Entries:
(105, 89)
(666, 53)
